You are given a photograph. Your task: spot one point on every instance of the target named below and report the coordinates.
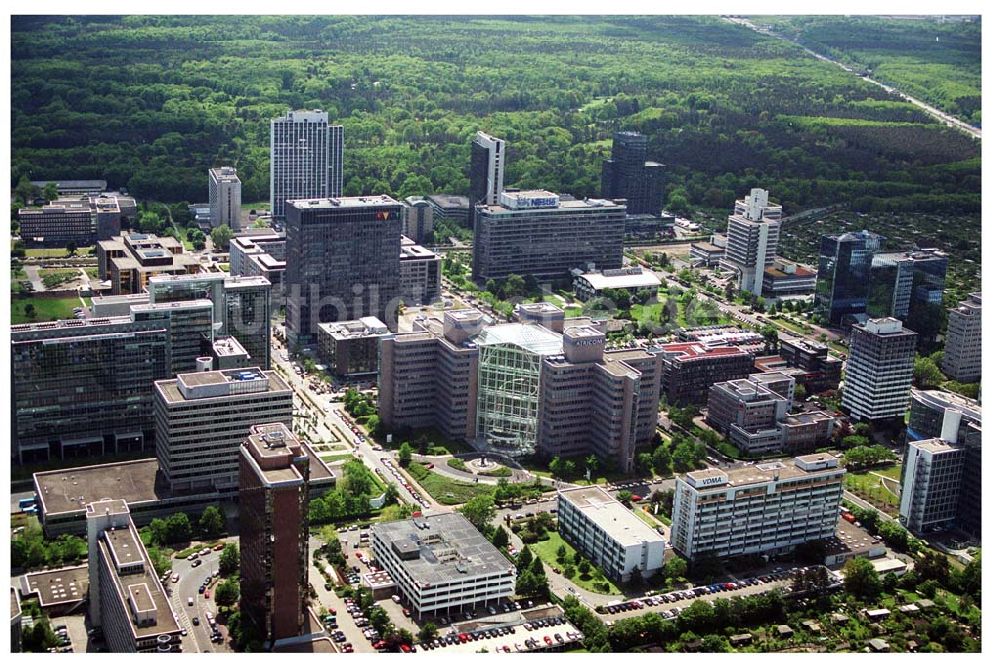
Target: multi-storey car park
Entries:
(442, 564)
(760, 509)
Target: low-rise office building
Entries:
(786, 278)
(536, 232)
(127, 600)
(454, 208)
(75, 187)
(762, 509)
(724, 335)
(351, 348)
(419, 274)
(202, 419)
(260, 253)
(822, 371)
(689, 369)
(442, 564)
(633, 279)
(609, 534)
(418, 219)
(708, 255)
(57, 224)
(129, 260)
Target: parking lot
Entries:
(548, 634)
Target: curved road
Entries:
(190, 579)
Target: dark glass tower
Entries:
(630, 176)
(844, 265)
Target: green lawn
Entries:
(791, 326)
(48, 252)
(546, 550)
(46, 308)
(328, 458)
(444, 490)
(870, 488)
(53, 278)
(648, 518)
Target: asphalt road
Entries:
(191, 578)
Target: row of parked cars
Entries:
(394, 471)
(465, 637)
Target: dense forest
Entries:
(150, 103)
(937, 60)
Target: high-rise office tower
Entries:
(752, 242)
(879, 370)
(845, 262)
(343, 262)
(307, 158)
(630, 176)
(203, 417)
(963, 347)
(910, 287)
(485, 172)
(274, 532)
(225, 198)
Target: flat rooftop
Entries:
(450, 201)
(692, 350)
(141, 590)
(445, 547)
(215, 384)
(770, 471)
(611, 516)
(934, 446)
(621, 279)
(360, 328)
(57, 587)
(72, 489)
(849, 539)
(343, 202)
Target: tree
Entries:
(675, 568)
(593, 464)
(561, 553)
(29, 311)
(212, 521)
(480, 511)
(860, 579)
(220, 238)
(229, 559)
(227, 592)
(50, 192)
(405, 455)
(178, 528)
(584, 567)
(926, 374)
(662, 460)
(625, 498)
(524, 558)
(500, 538)
(428, 632)
(71, 248)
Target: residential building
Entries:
(485, 172)
(127, 600)
(755, 414)
(419, 273)
(759, 509)
(752, 240)
(844, 266)
(307, 159)
(534, 232)
(418, 219)
(879, 370)
(453, 208)
(83, 388)
(609, 534)
(442, 564)
(225, 198)
(351, 348)
(629, 175)
(785, 278)
(128, 261)
(689, 369)
(633, 279)
(963, 347)
(343, 262)
(274, 532)
(203, 417)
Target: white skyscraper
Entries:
(486, 172)
(307, 158)
(963, 348)
(224, 197)
(752, 240)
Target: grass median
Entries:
(442, 489)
